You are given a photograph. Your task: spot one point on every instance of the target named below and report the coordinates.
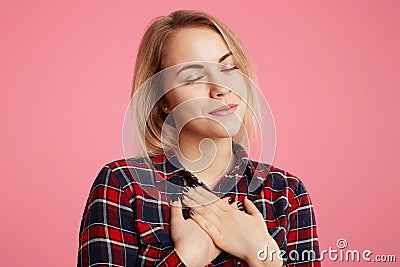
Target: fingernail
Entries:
(183, 203)
(205, 187)
(194, 186)
(230, 200)
(192, 213)
(240, 204)
(199, 182)
(185, 213)
(185, 189)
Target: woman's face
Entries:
(193, 104)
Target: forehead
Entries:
(195, 44)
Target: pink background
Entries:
(330, 71)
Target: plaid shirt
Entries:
(126, 221)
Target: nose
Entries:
(217, 91)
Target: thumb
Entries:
(176, 210)
(250, 207)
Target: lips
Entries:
(224, 110)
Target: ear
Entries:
(163, 104)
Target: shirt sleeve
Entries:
(108, 236)
(302, 240)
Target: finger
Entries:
(208, 194)
(197, 199)
(210, 228)
(238, 205)
(235, 204)
(205, 197)
(204, 191)
(229, 200)
(209, 212)
(250, 207)
(176, 210)
(193, 203)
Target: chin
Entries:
(212, 129)
(220, 132)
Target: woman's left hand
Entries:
(232, 230)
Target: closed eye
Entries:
(230, 69)
(194, 80)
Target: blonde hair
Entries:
(149, 120)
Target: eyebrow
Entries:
(199, 66)
(191, 66)
(224, 57)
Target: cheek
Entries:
(243, 109)
(179, 95)
(174, 98)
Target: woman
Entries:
(191, 200)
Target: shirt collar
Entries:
(168, 167)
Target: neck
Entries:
(208, 159)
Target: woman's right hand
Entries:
(192, 244)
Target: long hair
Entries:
(149, 120)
